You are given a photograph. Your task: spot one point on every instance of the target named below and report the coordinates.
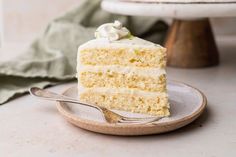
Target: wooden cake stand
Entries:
(190, 41)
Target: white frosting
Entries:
(112, 31)
(154, 72)
(122, 39)
(121, 91)
(133, 42)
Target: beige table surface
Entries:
(32, 127)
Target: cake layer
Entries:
(137, 103)
(139, 57)
(115, 79)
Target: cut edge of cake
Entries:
(132, 79)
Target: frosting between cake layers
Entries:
(128, 91)
(122, 69)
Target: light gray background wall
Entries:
(25, 19)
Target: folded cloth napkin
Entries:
(51, 59)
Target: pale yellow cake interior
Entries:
(124, 77)
(140, 57)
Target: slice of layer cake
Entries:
(119, 71)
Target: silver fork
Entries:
(109, 116)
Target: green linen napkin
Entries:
(51, 59)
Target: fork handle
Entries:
(48, 95)
(76, 102)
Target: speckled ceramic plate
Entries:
(187, 103)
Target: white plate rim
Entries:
(75, 119)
